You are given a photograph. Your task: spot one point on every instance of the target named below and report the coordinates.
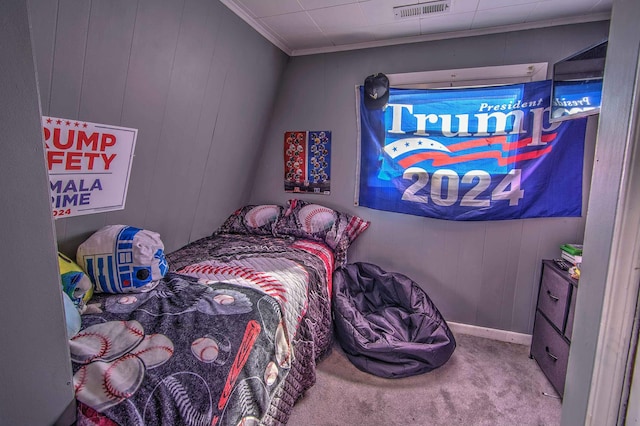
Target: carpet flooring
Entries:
(484, 383)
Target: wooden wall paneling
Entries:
(153, 51)
(528, 277)
(313, 102)
(194, 50)
(72, 26)
(71, 29)
(587, 171)
(203, 147)
(43, 36)
(212, 206)
(236, 132)
(513, 242)
(469, 281)
(438, 248)
(261, 75)
(111, 24)
(66, 247)
(339, 104)
(105, 66)
(418, 247)
(376, 245)
(441, 243)
(298, 92)
(264, 69)
(558, 231)
(209, 211)
(571, 41)
(452, 291)
(494, 266)
(246, 99)
(284, 114)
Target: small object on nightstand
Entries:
(562, 264)
(574, 271)
(572, 253)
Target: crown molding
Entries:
(280, 44)
(242, 14)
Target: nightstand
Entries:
(553, 323)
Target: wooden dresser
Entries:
(553, 323)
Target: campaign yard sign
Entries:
(487, 153)
(88, 165)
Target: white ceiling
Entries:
(301, 27)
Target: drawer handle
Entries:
(554, 298)
(552, 356)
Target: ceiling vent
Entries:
(422, 9)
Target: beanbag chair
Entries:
(386, 323)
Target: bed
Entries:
(230, 335)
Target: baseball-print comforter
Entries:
(231, 335)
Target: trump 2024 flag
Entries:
(485, 153)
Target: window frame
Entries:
(470, 77)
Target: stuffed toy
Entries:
(71, 316)
(75, 283)
(123, 259)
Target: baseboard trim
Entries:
(491, 333)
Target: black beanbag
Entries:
(386, 323)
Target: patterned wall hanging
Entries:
(307, 161)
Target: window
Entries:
(468, 77)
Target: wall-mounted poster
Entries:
(88, 165)
(307, 161)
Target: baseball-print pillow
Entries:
(252, 219)
(320, 223)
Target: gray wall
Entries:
(193, 78)
(479, 273)
(35, 369)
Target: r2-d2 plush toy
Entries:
(123, 259)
